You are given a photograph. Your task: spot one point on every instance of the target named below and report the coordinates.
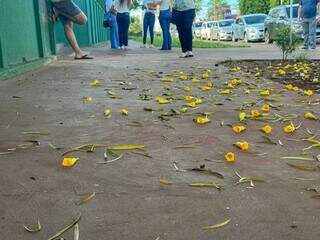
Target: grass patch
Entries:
(196, 43)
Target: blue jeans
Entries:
(114, 34)
(309, 26)
(165, 19)
(123, 20)
(183, 21)
(148, 22)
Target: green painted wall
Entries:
(91, 33)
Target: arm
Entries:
(130, 4)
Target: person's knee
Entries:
(81, 19)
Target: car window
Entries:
(255, 19)
(198, 24)
(274, 13)
(210, 24)
(225, 23)
(295, 12)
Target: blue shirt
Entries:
(309, 8)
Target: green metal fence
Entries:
(26, 34)
(91, 33)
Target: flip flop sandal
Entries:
(83, 57)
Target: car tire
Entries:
(267, 39)
(234, 38)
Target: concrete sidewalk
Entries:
(129, 202)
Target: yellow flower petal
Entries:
(265, 93)
(238, 128)
(124, 112)
(206, 88)
(87, 99)
(161, 100)
(282, 72)
(230, 157)
(191, 104)
(289, 86)
(107, 113)
(183, 77)
(310, 116)
(308, 93)
(189, 98)
(202, 120)
(226, 91)
(289, 128)
(266, 129)
(265, 108)
(69, 162)
(255, 113)
(242, 145)
(187, 88)
(242, 116)
(95, 83)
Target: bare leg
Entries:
(68, 29)
(80, 19)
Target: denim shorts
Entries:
(69, 8)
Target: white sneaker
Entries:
(190, 54)
(184, 55)
(151, 46)
(143, 46)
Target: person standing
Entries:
(68, 13)
(123, 19)
(149, 20)
(114, 34)
(307, 14)
(165, 19)
(183, 14)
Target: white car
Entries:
(206, 30)
(197, 29)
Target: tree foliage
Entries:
(260, 6)
(216, 9)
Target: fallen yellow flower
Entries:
(226, 91)
(266, 129)
(289, 128)
(295, 89)
(242, 145)
(124, 112)
(95, 83)
(187, 88)
(189, 98)
(167, 87)
(202, 120)
(195, 80)
(206, 88)
(210, 84)
(87, 99)
(69, 162)
(282, 72)
(161, 100)
(255, 113)
(230, 157)
(264, 93)
(205, 75)
(242, 116)
(247, 91)
(198, 101)
(126, 147)
(235, 81)
(289, 86)
(310, 116)
(183, 77)
(235, 69)
(265, 108)
(107, 113)
(238, 128)
(167, 79)
(191, 104)
(308, 93)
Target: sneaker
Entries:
(190, 54)
(143, 46)
(184, 55)
(151, 46)
(122, 47)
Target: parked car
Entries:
(279, 17)
(205, 30)
(222, 30)
(197, 29)
(249, 28)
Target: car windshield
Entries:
(225, 23)
(295, 11)
(199, 24)
(255, 19)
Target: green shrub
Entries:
(287, 41)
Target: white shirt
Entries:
(109, 4)
(122, 8)
(165, 5)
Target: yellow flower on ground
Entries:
(308, 93)
(124, 111)
(266, 129)
(210, 84)
(189, 98)
(206, 88)
(247, 91)
(167, 79)
(95, 83)
(187, 88)
(195, 80)
(238, 128)
(242, 116)
(265, 108)
(289, 128)
(69, 162)
(191, 105)
(235, 69)
(161, 100)
(230, 157)
(198, 101)
(226, 91)
(107, 113)
(205, 75)
(229, 85)
(264, 93)
(167, 87)
(87, 99)
(202, 120)
(242, 145)
(310, 116)
(282, 72)
(183, 77)
(235, 81)
(255, 113)
(257, 74)
(295, 89)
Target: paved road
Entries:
(129, 202)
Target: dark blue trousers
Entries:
(123, 20)
(148, 22)
(165, 19)
(183, 21)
